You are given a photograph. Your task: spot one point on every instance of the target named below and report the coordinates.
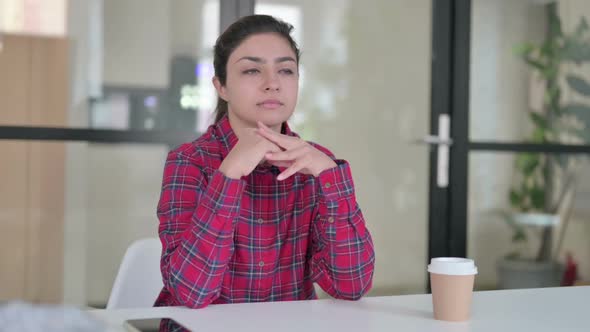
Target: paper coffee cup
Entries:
(452, 280)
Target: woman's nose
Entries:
(271, 83)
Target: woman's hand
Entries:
(246, 154)
(298, 155)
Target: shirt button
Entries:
(261, 264)
(330, 220)
(260, 221)
(327, 185)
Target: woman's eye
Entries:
(251, 71)
(287, 71)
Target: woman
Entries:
(250, 212)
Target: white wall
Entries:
(185, 26)
(137, 42)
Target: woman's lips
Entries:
(270, 104)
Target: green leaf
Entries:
(554, 23)
(518, 229)
(581, 28)
(513, 255)
(576, 109)
(575, 51)
(538, 198)
(519, 236)
(515, 198)
(527, 162)
(524, 49)
(554, 92)
(538, 135)
(578, 84)
(551, 49)
(539, 120)
(582, 113)
(536, 64)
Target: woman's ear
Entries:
(221, 91)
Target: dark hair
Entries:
(234, 35)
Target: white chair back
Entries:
(139, 280)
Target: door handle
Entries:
(443, 142)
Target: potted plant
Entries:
(543, 181)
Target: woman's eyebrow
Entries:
(262, 61)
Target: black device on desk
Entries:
(150, 324)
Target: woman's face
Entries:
(262, 81)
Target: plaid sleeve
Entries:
(343, 255)
(197, 215)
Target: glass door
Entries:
(365, 94)
(527, 221)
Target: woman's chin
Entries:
(271, 120)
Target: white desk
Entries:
(549, 309)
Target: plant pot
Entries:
(514, 273)
(536, 219)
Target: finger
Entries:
(267, 145)
(288, 155)
(273, 148)
(280, 163)
(296, 167)
(284, 141)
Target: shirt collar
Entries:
(229, 139)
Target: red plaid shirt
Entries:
(257, 239)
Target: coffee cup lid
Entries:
(452, 266)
